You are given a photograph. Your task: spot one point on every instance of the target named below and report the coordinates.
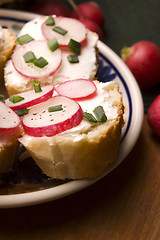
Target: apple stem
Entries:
(125, 52)
(73, 4)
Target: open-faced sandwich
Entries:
(10, 130)
(7, 43)
(76, 133)
(72, 53)
(71, 122)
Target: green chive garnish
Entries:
(29, 57)
(50, 21)
(24, 39)
(60, 30)
(15, 99)
(55, 108)
(89, 117)
(53, 44)
(73, 58)
(100, 114)
(40, 62)
(22, 112)
(37, 87)
(74, 46)
(2, 98)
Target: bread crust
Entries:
(8, 44)
(7, 155)
(84, 159)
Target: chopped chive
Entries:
(29, 57)
(24, 39)
(74, 46)
(15, 99)
(53, 44)
(100, 114)
(37, 87)
(60, 30)
(89, 117)
(22, 112)
(40, 62)
(2, 98)
(73, 58)
(50, 21)
(55, 108)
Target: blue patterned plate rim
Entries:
(115, 68)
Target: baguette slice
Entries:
(10, 130)
(86, 68)
(86, 150)
(7, 43)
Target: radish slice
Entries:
(10, 123)
(77, 89)
(31, 98)
(40, 49)
(40, 122)
(75, 30)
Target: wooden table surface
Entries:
(125, 205)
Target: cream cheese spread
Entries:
(102, 98)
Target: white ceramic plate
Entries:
(110, 67)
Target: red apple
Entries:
(143, 59)
(50, 7)
(153, 115)
(92, 26)
(90, 11)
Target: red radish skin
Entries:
(10, 123)
(50, 8)
(91, 11)
(39, 122)
(94, 27)
(31, 98)
(143, 59)
(153, 116)
(77, 89)
(76, 30)
(40, 49)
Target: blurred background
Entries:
(126, 22)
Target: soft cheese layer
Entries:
(104, 98)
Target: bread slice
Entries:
(7, 43)
(84, 151)
(86, 68)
